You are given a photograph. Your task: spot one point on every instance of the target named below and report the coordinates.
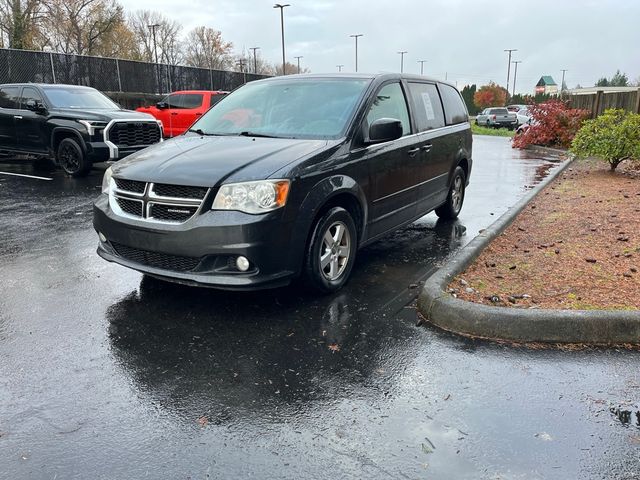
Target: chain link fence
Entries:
(112, 74)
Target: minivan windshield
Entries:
(296, 108)
(78, 97)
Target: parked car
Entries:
(523, 116)
(179, 110)
(74, 126)
(497, 117)
(260, 191)
(515, 108)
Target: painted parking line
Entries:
(26, 176)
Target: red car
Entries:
(179, 110)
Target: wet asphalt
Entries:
(106, 374)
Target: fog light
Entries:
(102, 238)
(242, 263)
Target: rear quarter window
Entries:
(455, 110)
(9, 97)
(426, 105)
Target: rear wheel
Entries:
(72, 158)
(455, 198)
(331, 251)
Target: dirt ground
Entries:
(576, 246)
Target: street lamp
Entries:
(564, 70)
(422, 62)
(509, 66)
(402, 60)
(282, 7)
(255, 59)
(340, 67)
(515, 75)
(356, 37)
(298, 58)
(155, 53)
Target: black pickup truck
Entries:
(72, 125)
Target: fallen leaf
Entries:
(203, 421)
(334, 347)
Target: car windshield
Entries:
(81, 98)
(296, 108)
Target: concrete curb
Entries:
(513, 324)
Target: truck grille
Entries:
(164, 261)
(134, 134)
(161, 202)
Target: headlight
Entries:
(106, 180)
(252, 197)
(93, 126)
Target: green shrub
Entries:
(614, 136)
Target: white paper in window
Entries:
(428, 107)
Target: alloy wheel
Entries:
(335, 251)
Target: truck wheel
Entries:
(72, 158)
(331, 251)
(451, 208)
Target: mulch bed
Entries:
(576, 246)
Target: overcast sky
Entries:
(463, 39)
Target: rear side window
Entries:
(216, 98)
(30, 93)
(454, 109)
(9, 97)
(427, 106)
(390, 103)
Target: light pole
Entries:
(255, 59)
(241, 64)
(340, 67)
(402, 60)
(509, 66)
(422, 62)
(298, 58)
(282, 6)
(155, 52)
(356, 37)
(562, 84)
(515, 75)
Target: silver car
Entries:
(495, 117)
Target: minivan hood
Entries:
(207, 160)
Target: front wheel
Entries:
(451, 208)
(331, 251)
(72, 158)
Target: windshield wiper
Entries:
(254, 134)
(199, 131)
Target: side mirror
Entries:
(35, 106)
(385, 130)
(162, 105)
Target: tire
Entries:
(450, 209)
(72, 158)
(329, 276)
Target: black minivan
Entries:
(288, 177)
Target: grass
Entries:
(494, 132)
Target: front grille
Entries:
(132, 207)
(134, 134)
(164, 261)
(179, 191)
(130, 185)
(172, 213)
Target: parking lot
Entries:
(107, 374)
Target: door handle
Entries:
(174, 113)
(427, 147)
(413, 151)
(18, 117)
(198, 114)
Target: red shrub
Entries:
(554, 125)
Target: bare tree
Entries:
(83, 27)
(206, 48)
(290, 69)
(20, 22)
(167, 36)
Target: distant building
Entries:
(546, 85)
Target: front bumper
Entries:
(212, 240)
